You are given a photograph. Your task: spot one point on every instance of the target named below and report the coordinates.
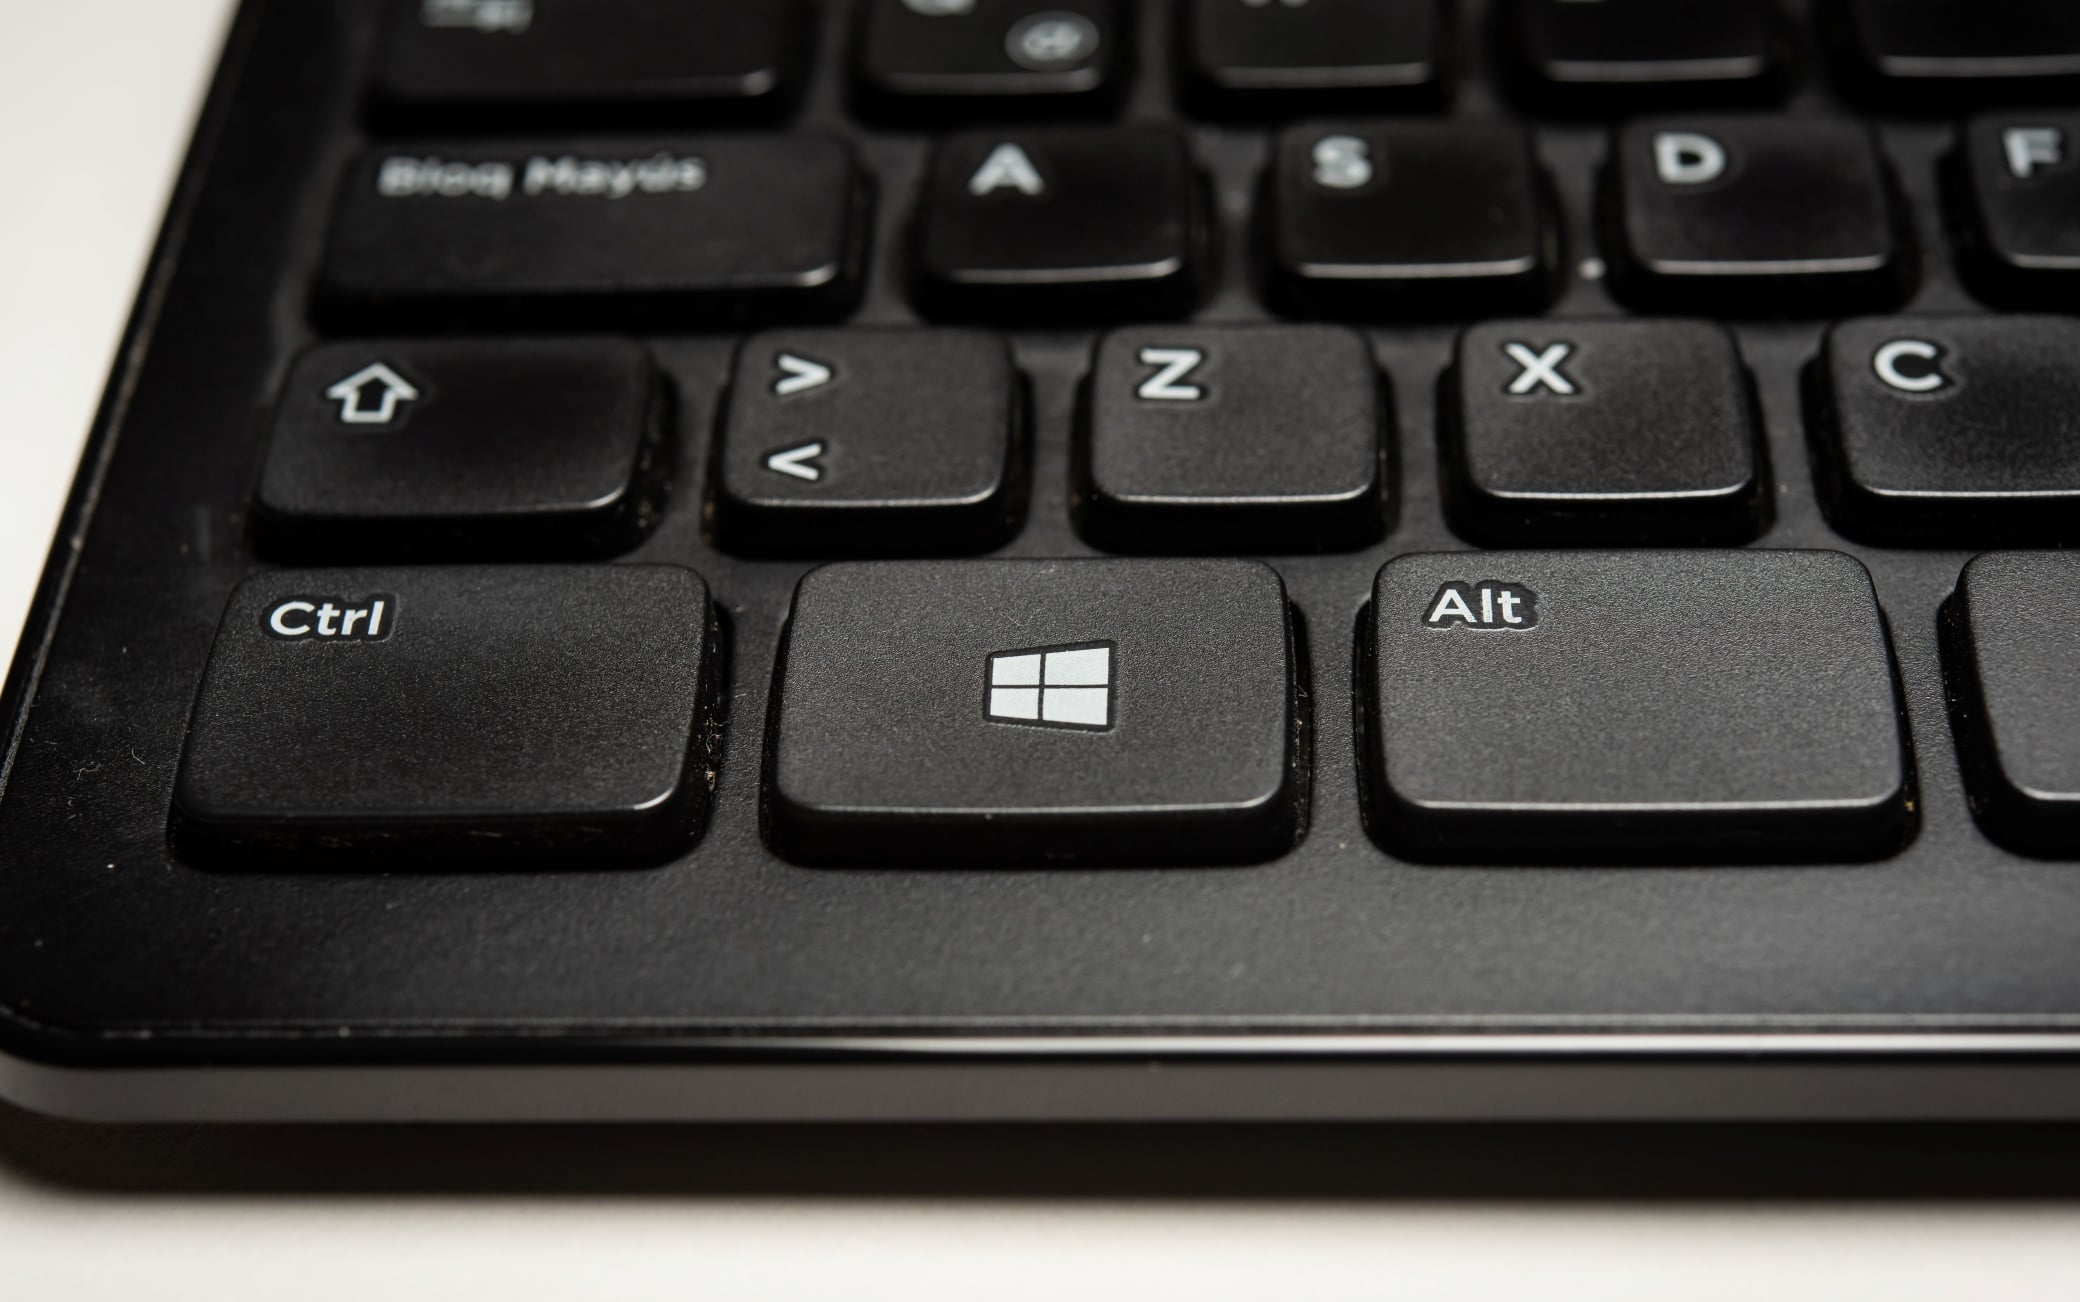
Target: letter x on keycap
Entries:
(1540, 369)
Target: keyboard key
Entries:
(2011, 649)
(679, 232)
(1583, 433)
(2016, 185)
(1633, 707)
(556, 61)
(1921, 52)
(1950, 431)
(1605, 55)
(1236, 439)
(941, 59)
(1062, 225)
(1249, 57)
(1382, 219)
(1757, 215)
(822, 452)
(383, 719)
(1036, 712)
(469, 448)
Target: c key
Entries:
(1949, 431)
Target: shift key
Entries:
(674, 231)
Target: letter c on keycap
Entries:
(1916, 380)
(276, 623)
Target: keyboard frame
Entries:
(1334, 983)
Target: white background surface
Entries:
(95, 100)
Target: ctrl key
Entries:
(388, 719)
(1633, 708)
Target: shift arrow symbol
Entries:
(797, 462)
(372, 396)
(801, 375)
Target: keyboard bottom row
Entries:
(1513, 707)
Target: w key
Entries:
(1633, 707)
(574, 233)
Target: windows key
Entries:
(1025, 713)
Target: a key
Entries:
(380, 719)
(1915, 53)
(493, 62)
(1062, 225)
(1949, 431)
(1582, 433)
(1632, 707)
(823, 451)
(677, 232)
(2011, 652)
(2016, 184)
(941, 60)
(1236, 439)
(482, 448)
(994, 713)
(1266, 57)
(1611, 55)
(1753, 215)
(1380, 219)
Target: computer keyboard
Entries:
(951, 559)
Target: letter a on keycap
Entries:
(1007, 165)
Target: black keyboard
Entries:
(1066, 558)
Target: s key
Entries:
(1633, 707)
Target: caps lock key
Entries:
(599, 232)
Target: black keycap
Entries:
(1036, 712)
(2015, 186)
(1949, 431)
(2011, 650)
(1236, 439)
(379, 719)
(465, 448)
(674, 231)
(1753, 215)
(559, 61)
(823, 451)
(1062, 225)
(1921, 53)
(1379, 219)
(941, 60)
(1607, 55)
(1582, 433)
(1633, 707)
(1271, 56)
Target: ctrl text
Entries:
(332, 619)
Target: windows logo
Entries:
(1053, 687)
